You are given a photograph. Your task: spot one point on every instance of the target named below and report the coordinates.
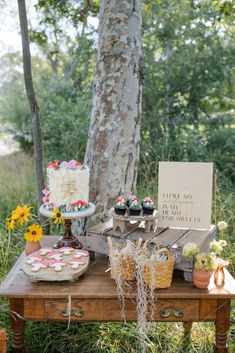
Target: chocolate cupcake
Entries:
(120, 206)
(148, 206)
(135, 208)
(131, 197)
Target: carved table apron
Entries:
(94, 298)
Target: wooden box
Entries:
(173, 238)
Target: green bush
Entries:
(65, 119)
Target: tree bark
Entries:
(34, 109)
(114, 135)
(171, 123)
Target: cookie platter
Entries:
(48, 264)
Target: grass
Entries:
(17, 181)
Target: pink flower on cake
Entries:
(46, 191)
(69, 165)
(64, 164)
(52, 165)
(80, 203)
(73, 163)
(46, 194)
(46, 200)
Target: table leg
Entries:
(222, 326)
(92, 255)
(187, 335)
(17, 325)
(147, 226)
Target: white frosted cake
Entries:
(68, 186)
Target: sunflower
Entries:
(21, 214)
(57, 215)
(10, 223)
(34, 233)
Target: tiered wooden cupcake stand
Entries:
(121, 222)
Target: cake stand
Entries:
(68, 239)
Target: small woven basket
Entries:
(127, 267)
(3, 341)
(160, 276)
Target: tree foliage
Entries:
(189, 80)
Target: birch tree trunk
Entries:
(114, 135)
(34, 109)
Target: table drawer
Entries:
(88, 310)
(177, 310)
(109, 310)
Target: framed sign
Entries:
(185, 194)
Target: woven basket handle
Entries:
(164, 251)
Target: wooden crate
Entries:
(173, 238)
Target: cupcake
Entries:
(131, 198)
(148, 205)
(135, 208)
(120, 206)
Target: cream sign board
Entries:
(185, 194)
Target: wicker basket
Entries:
(3, 341)
(127, 268)
(163, 271)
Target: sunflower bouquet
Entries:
(20, 217)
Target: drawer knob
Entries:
(79, 312)
(65, 313)
(171, 312)
(178, 313)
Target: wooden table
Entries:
(94, 298)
